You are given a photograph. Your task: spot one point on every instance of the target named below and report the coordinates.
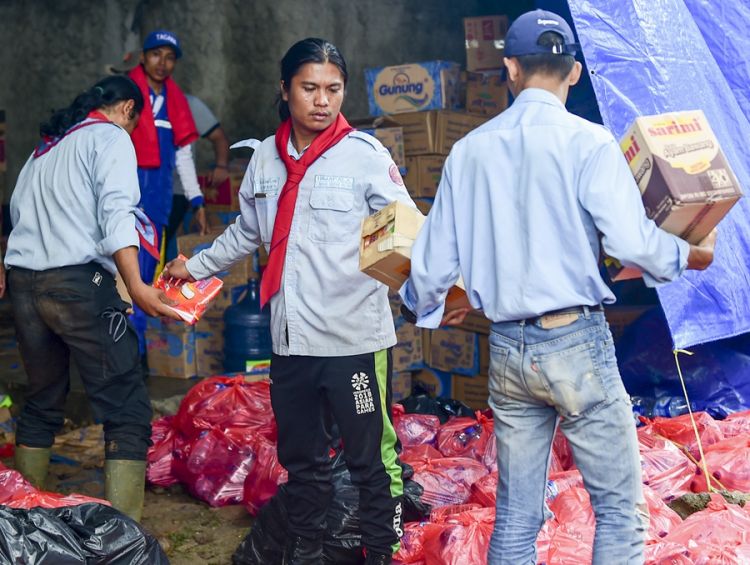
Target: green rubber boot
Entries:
(124, 484)
(33, 463)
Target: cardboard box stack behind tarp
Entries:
(686, 183)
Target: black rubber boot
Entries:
(377, 559)
(303, 551)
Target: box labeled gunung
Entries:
(413, 87)
(685, 180)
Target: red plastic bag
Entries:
(160, 454)
(662, 519)
(419, 454)
(17, 492)
(562, 453)
(649, 439)
(224, 402)
(543, 540)
(414, 429)
(468, 437)
(720, 555)
(735, 424)
(719, 524)
(412, 544)
(464, 539)
(571, 544)
(680, 430)
(214, 465)
(667, 553)
(264, 477)
(729, 462)
(573, 507)
(448, 480)
(565, 480)
(484, 491)
(667, 471)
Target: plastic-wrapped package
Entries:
(414, 429)
(562, 451)
(222, 402)
(728, 461)
(572, 507)
(412, 544)
(190, 299)
(463, 538)
(648, 438)
(680, 430)
(667, 471)
(565, 480)
(264, 478)
(469, 437)
(160, 454)
(543, 540)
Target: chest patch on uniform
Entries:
(267, 187)
(329, 181)
(395, 175)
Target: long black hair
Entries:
(106, 92)
(310, 50)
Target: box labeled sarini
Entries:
(686, 183)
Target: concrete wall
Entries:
(52, 49)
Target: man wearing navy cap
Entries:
(162, 143)
(518, 214)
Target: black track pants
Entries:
(308, 395)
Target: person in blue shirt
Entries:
(519, 211)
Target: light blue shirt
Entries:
(518, 214)
(75, 204)
(326, 307)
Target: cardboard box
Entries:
(485, 42)
(486, 93)
(434, 133)
(408, 354)
(423, 175)
(452, 350)
(686, 183)
(476, 322)
(435, 383)
(400, 386)
(209, 346)
(483, 342)
(413, 87)
(191, 244)
(385, 246)
(170, 348)
(472, 391)
(424, 204)
(226, 196)
(387, 132)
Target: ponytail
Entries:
(107, 92)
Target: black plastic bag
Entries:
(342, 544)
(90, 534)
(444, 408)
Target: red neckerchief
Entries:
(144, 136)
(295, 172)
(48, 141)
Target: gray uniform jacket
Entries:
(327, 305)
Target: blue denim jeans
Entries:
(540, 378)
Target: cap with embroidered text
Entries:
(523, 36)
(160, 38)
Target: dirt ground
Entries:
(188, 530)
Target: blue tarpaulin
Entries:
(648, 57)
